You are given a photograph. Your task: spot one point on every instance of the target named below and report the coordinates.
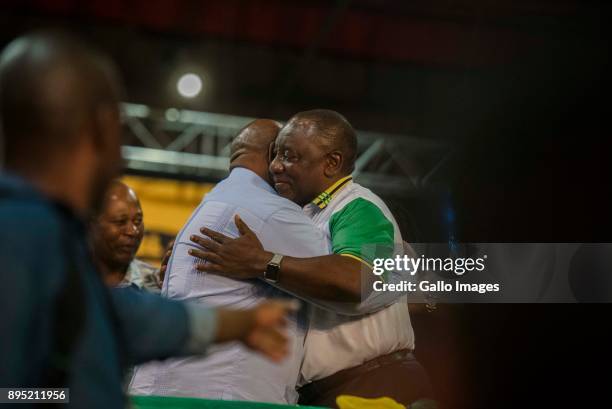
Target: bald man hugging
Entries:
(230, 371)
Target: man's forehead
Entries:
(119, 198)
(297, 130)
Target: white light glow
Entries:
(189, 85)
(173, 114)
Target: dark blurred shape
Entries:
(534, 168)
(535, 165)
(424, 404)
(590, 273)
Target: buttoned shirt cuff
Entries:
(202, 327)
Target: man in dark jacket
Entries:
(60, 125)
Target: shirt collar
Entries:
(249, 176)
(132, 276)
(322, 200)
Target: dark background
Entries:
(518, 89)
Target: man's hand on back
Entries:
(331, 277)
(240, 258)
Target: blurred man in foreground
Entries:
(59, 117)
(230, 371)
(116, 234)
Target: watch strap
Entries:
(273, 268)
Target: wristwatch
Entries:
(273, 268)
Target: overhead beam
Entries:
(404, 157)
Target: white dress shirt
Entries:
(230, 371)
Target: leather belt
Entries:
(346, 375)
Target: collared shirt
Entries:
(230, 371)
(123, 327)
(142, 275)
(359, 225)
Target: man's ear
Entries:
(109, 117)
(271, 152)
(333, 164)
(104, 120)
